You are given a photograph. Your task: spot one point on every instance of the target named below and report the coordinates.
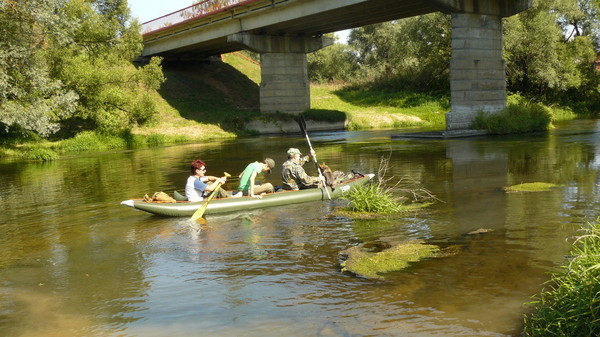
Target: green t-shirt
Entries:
(245, 179)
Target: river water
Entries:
(73, 262)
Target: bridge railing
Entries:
(201, 9)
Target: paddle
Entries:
(200, 211)
(302, 124)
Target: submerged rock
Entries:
(530, 187)
(359, 260)
(480, 231)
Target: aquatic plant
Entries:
(530, 187)
(388, 195)
(371, 199)
(570, 306)
(371, 264)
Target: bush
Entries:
(92, 141)
(156, 140)
(372, 199)
(11, 135)
(520, 116)
(40, 153)
(571, 305)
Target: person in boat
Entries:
(248, 186)
(293, 175)
(199, 185)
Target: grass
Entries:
(372, 199)
(570, 306)
(369, 109)
(530, 187)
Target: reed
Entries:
(570, 306)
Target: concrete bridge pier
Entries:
(477, 68)
(284, 83)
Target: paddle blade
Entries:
(200, 221)
(199, 213)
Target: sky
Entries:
(146, 10)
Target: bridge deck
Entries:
(270, 17)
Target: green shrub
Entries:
(562, 114)
(520, 116)
(40, 153)
(92, 141)
(571, 305)
(156, 140)
(372, 198)
(11, 135)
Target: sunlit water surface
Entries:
(73, 262)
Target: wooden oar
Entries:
(302, 124)
(200, 211)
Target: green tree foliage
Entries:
(414, 52)
(29, 96)
(63, 61)
(332, 63)
(549, 50)
(544, 56)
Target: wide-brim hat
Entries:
(270, 162)
(293, 151)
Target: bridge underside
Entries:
(284, 31)
(207, 37)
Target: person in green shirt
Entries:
(247, 179)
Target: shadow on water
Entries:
(71, 254)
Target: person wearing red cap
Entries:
(247, 179)
(199, 185)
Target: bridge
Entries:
(284, 31)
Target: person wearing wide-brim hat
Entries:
(293, 175)
(248, 184)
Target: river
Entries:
(73, 262)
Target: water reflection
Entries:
(71, 254)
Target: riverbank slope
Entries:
(220, 99)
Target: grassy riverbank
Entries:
(212, 101)
(570, 306)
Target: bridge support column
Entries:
(284, 85)
(477, 69)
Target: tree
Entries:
(29, 95)
(542, 56)
(415, 51)
(331, 63)
(67, 60)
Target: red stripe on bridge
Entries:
(197, 11)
